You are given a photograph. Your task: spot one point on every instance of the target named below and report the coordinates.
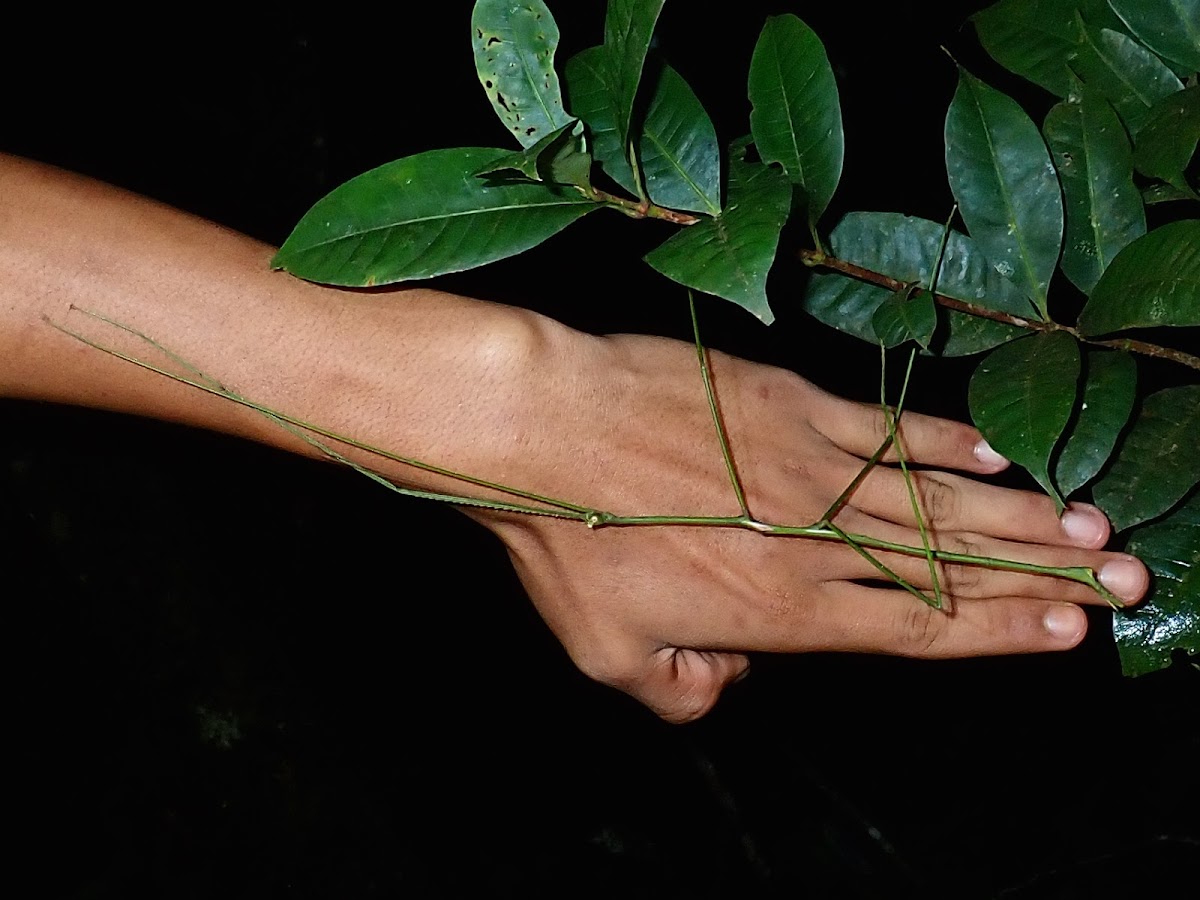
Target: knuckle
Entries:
(920, 629)
(941, 501)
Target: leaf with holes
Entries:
(1153, 281)
(1005, 185)
(514, 46)
(1170, 29)
(1167, 142)
(676, 141)
(1109, 389)
(796, 117)
(561, 157)
(1104, 211)
(905, 316)
(1157, 462)
(628, 27)
(731, 254)
(1037, 38)
(1128, 75)
(1021, 398)
(422, 216)
(1169, 619)
(906, 249)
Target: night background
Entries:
(237, 673)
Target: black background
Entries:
(237, 673)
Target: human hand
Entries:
(668, 613)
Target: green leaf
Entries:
(1021, 398)
(676, 142)
(731, 254)
(1164, 193)
(1157, 462)
(1169, 619)
(796, 117)
(1127, 74)
(628, 27)
(422, 216)
(1167, 142)
(1104, 209)
(906, 248)
(1037, 38)
(1109, 389)
(1007, 192)
(1170, 29)
(903, 316)
(514, 46)
(1153, 281)
(561, 157)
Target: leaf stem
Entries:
(642, 210)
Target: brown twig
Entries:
(644, 209)
(817, 259)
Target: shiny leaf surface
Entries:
(1169, 619)
(1128, 75)
(628, 27)
(1167, 142)
(1021, 398)
(1109, 389)
(1104, 210)
(422, 216)
(560, 157)
(1157, 463)
(1171, 29)
(1153, 281)
(1005, 185)
(514, 46)
(905, 316)
(730, 255)
(796, 117)
(905, 248)
(1037, 38)
(676, 142)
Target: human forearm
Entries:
(425, 373)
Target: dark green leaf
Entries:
(1170, 29)
(1109, 388)
(1007, 192)
(796, 117)
(905, 317)
(1164, 193)
(676, 141)
(422, 216)
(1037, 38)
(1021, 397)
(590, 97)
(1157, 462)
(561, 157)
(1128, 75)
(906, 249)
(628, 27)
(1153, 281)
(731, 254)
(1167, 142)
(1169, 619)
(1104, 209)
(514, 46)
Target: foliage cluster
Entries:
(1077, 234)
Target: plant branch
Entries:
(818, 259)
(642, 210)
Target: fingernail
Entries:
(1124, 577)
(1066, 623)
(1084, 526)
(989, 457)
